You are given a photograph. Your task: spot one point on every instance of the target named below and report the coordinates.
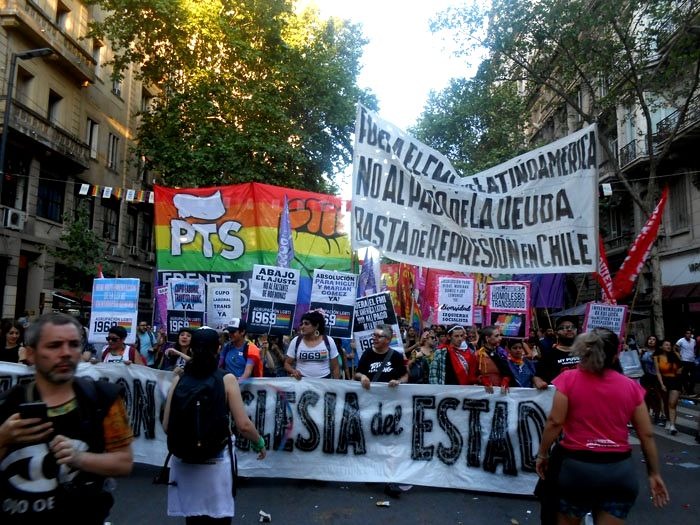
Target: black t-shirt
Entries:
(554, 362)
(10, 355)
(371, 361)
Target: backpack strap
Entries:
(296, 346)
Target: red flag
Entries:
(603, 274)
(100, 275)
(638, 253)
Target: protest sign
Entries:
(435, 435)
(186, 303)
(537, 213)
(115, 302)
(370, 311)
(508, 307)
(223, 304)
(455, 301)
(334, 293)
(273, 299)
(603, 315)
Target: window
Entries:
(146, 232)
(110, 219)
(117, 87)
(97, 54)
(146, 101)
(132, 226)
(54, 110)
(24, 84)
(614, 223)
(113, 152)
(677, 209)
(62, 15)
(50, 197)
(92, 134)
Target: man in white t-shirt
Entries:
(686, 346)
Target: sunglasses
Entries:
(378, 336)
(112, 339)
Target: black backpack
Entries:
(418, 371)
(199, 426)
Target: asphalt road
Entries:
(291, 501)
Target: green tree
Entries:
(79, 255)
(476, 122)
(250, 90)
(593, 58)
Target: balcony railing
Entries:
(667, 125)
(54, 137)
(28, 18)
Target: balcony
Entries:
(40, 129)
(667, 125)
(27, 18)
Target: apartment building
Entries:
(68, 130)
(621, 219)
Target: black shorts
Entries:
(597, 481)
(672, 383)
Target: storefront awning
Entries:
(681, 291)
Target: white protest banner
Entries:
(115, 302)
(455, 301)
(223, 304)
(273, 299)
(508, 307)
(537, 213)
(334, 293)
(603, 315)
(370, 311)
(186, 305)
(434, 435)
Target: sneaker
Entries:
(672, 430)
(662, 422)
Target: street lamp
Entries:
(24, 55)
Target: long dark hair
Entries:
(205, 345)
(672, 356)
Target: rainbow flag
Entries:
(244, 221)
(283, 319)
(342, 320)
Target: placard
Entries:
(273, 299)
(370, 311)
(334, 293)
(455, 301)
(115, 302)
(508, 307)
(223, 304)
(602, 315)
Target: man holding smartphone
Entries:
(53, 467)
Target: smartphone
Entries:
(33, 410)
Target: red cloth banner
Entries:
(629, 270)
(603, 275)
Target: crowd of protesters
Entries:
(448, 355)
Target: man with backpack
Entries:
(196, 420)
(147, 344)
(239, 356)
(75, 428)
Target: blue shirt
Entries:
(524, 373)
(234, 360)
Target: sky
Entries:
(403, 60)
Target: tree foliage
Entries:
(476, 122)
(80, 254)
(250, 90)
(599, 60)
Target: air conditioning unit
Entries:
(133, 251)
(150, 257)
(13, 219)
(114, 250)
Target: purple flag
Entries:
(546, 290)
(285, 243)
(367, 284)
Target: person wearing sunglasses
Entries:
(117, 351)
(559, 357)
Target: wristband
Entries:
(257, 447)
